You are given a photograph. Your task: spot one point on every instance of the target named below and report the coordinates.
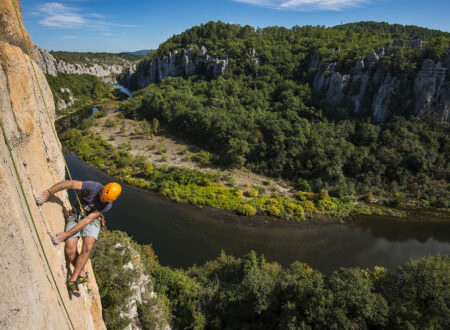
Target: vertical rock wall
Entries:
(30, 298)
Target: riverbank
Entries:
(201, 186)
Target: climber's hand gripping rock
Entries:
(42, 198)
(58, 238)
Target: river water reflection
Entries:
(182, 235)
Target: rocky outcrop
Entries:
(174, 64)
(50, 65)
(431, 90)
(331, 81)
(373, 91)
(383, 98)
(61, 103)
(30, 298)
(142, 292)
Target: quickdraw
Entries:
(102, 219)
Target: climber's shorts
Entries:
(92, 229)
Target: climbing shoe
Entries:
(82, 279)
(73, 288)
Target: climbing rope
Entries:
(32, 220)
(45, 104)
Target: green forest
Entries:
(84, 88)
(252, 293)
(268, 119)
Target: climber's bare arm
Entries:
(67, 184)
(60, 237)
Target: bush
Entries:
(399, 199)
(148, 169)
(326, 205)
(252, 192)
(323, 194)
(308, 207)
(246, 210)
(238, 193)
(303, 195)
(273, 211)
(110, 123)
(202, 157)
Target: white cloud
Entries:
(70, 37)
(305, 5)
(59, 15)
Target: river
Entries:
(183, 235)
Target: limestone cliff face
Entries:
(374, 91)
(50, 65)
(174, 64)
(30, 299)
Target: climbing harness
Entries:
(75, 216)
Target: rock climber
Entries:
(95, 200)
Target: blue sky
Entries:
(129, 25)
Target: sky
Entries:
(130, 25)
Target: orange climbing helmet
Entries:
(111, 191)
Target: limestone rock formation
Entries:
(50, 65)
(428, 87)
(152, 71)
(373, 90)
(61, 103)
(30, 298)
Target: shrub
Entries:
(326, 205)
(273, 211)
(252, 192)
(246, 210)
(261, 190)
(202, 157)
(238, 193)
(304, 196)
(323, 194)
(110, 123)
(148, 169)
(399, 199)
(308, 207)
(161, 149)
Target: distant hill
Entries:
(142, 52)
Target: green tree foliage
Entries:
(249, 292)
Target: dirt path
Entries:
(164, 149)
